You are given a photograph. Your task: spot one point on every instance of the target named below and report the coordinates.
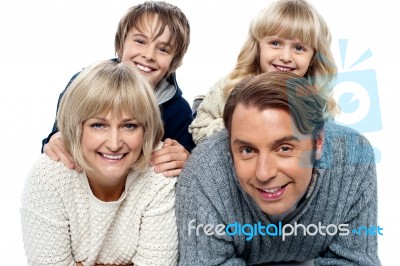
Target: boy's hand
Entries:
(170, 159)
(56, 151)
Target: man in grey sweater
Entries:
(280, 184)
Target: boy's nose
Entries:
(149, 54)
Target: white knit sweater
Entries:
(209, 114)
(64, 223)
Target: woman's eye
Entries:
(130, 127)
(97, 125)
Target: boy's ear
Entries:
(319, 143)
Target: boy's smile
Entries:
(150, 53)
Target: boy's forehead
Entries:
(152, 27)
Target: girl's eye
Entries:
(274, 43)
(299, 48)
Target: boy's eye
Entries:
(139, 41)
(164, 50)
(246, 150)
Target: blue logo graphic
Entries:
(356, 92)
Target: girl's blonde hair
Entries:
(109, 87)
(290, 19)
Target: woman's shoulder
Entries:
(47, 171)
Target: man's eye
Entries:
(246, 150)
(285, 148)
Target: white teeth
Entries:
(143, 68)
(112, 157)
(272, 190)
(283, 68)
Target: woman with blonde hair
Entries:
(117, 211)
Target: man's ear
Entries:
(319, 143)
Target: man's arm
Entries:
(196, 208)
(359, 246)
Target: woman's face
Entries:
(111, 145)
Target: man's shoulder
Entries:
(210, 162)
(345, 146)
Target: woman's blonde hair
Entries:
(109, 87)
(290, 19)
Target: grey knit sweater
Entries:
(344, 192)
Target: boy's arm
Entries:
(358, 247)
(209, 114)
(55, 127)
(178, 142)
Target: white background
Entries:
(43, 43)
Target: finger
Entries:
(49, 152)
(172, 165)
(64, 156)
(173, 173)
(168, 142)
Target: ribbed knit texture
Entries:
(345, 192)
(63, 223)
(209, 114)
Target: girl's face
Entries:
(280, 54)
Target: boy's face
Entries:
(272, 158)
(152, 56)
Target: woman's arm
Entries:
(158, 239)
(45, 227)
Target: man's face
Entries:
(151, 55)
(272, 158)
